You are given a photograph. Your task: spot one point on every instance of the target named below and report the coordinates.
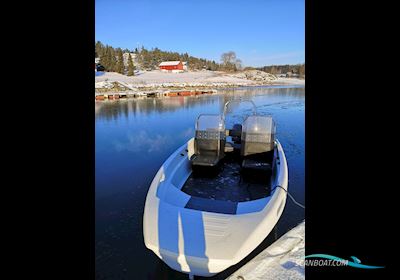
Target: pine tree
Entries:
(99, 49)
(120, 62)
(112, 59)
(105, 59)
(131, 67)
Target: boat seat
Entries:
(208, 152)
(206, 159)
(256, 165)
(258, 142)
(209, 142)
(258, 168)
(258, 135)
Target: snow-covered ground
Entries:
(290, 81)
(158, 77)
(282, 260)
(193, 78)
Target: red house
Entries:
(171, 66)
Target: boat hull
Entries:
(205, 243)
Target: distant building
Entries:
(171, 66)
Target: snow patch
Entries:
(279, 261)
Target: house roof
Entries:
(169, 63)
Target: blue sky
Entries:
(261, 32)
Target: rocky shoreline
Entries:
(160, 84)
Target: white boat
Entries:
(217, 197)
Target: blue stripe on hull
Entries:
(209, 205)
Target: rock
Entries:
(119, 86)
(255, 75)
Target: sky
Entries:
(260, 32)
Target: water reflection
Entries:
(112, 110)
(142, 141)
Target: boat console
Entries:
(253, 142)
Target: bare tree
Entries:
(238, 64)
(228, 57)
(230, 61)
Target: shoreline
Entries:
(156, 84)
(184, 91)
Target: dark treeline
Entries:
(113, 60)
(149, 59)
(283, 69)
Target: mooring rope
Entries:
(291, 197)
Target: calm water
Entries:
(134, 137)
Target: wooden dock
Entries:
(150, 94)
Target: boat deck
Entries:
(228, 185)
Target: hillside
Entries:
(148, 59)
(188, 80)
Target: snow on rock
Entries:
(165, 80)
(256, 75)
(104, 84)
(290, 81)
(113, 85)
(281, 260)
(158, 78)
